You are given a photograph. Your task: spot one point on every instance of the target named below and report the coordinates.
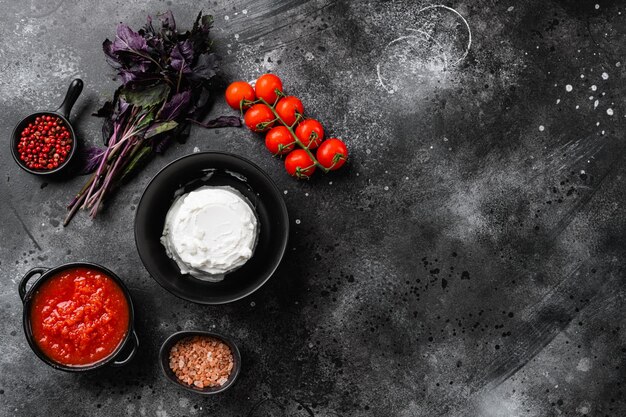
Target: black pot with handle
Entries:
(124, 352)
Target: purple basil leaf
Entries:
(182, 56)
(196, 24)
(106, 110)
(222, 121)
(107, 47)
(182, 132)
(107, 130)
(159, 128)
(88, 159)
(149, 28)
(162, 142)
(206, 68)
(207, 22)
(134, 72)
(117, 115)
(199, 102)
(199, 35)
(167, 20)
(127, 76)
(128, 40)
(155, 46)
(175, 106)
(122, 106)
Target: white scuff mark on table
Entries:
(419, 35)
(584, 365)
(469, 30)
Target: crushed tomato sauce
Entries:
(79, 316)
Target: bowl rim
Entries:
(14, 141)
(284, 214)
(26, 306)
(175, 337)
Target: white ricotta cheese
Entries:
(210, 232)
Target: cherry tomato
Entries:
(288, 109)
(259, 118)
(279, 140)
(332, 154)
(299, 164)
(238, 91)
(266, 87)
(310, 132)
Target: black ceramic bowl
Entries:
(63, 112)
(129, 345)
(164, 355)
(212, 169)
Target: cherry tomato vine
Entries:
(266, 108)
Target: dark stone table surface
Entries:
(469, 261)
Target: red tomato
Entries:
(259, 118)
(288, 109)
(279, 140)
(299, 164)
(238, 91)
(266, 87)
(332, 154)
(310, 132)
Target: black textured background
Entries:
(469, 261)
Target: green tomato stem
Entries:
(295, 138)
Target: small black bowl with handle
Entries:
(63, 113)
(212, 169)
(124, 352)
(164, 360)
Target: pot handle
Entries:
(22, 285)
(131, 355)
(74, 90)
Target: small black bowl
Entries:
(213, 169)
(63, 112)
(129, 344)
(164, 355)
